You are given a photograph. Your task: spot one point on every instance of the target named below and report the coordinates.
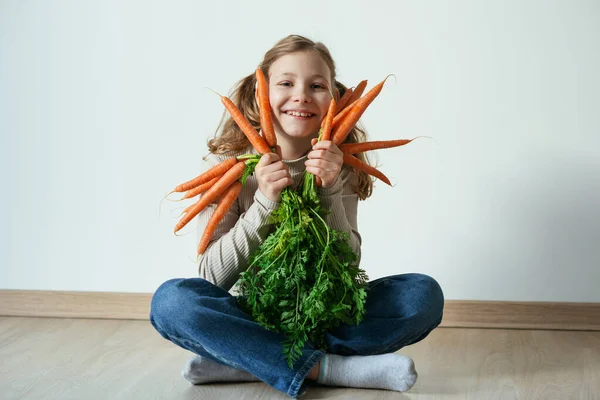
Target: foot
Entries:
(199, 370)
(385, 371)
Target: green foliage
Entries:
(251, 162)
(303, 280)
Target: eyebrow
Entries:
(294, 75)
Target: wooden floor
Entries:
(50, 358)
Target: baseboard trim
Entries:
(67, 304)
(457, 313)
(522, 315)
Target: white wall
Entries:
(103, 111)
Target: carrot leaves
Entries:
(303, 280)
(251, 163)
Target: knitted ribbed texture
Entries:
(246, 226)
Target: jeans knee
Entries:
(435, 299)
(431, 298)
(165, 302)
(179, 302)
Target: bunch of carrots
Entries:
(303, 280)
(223, 182)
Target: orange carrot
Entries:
(358, 164)
(344, 128)
(222, 208)
(326, 132)
(340, 117)
(266, 122)
(358, 91)
(255, 139)
(318, 181)
(343, 101)
(217, 170)
(354, 148)
(200, 189)
(188, 208)
(213, 193)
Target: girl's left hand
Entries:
(325, 160)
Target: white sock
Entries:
(199, 370)
(385, 371)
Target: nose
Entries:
(302, 94)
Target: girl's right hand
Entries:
(272, 175)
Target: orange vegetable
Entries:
(266, 122)
(213, 193)
(343, 101)
(358, 91)
(326, 132)
(222, 208)
(358, 164)
(355, 148)
(201, 188)
(188, 208)
(340, 117)
(255, 139)
(344, 128)
(217, 170)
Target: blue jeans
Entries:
(204, 319)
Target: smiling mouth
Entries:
(299, 114)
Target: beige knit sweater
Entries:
(246, 225)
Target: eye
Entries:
(318, 86)
(285, 84)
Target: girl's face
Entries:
(299, 86)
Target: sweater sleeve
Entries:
(237, 236)
(342, 201)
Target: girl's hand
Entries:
(272, 175)
(325, 161)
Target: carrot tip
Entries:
(180, 214)
(163, 199)
(429, 137)
(206, 87)
(167, 195)
(191, 260)
(175, 232)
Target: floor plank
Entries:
(54, 358)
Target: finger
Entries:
(277, 176)
(315, 171)
(271, 168)
(268, 159)
(322, 164)
(278, 151)
(327, 145)
(326, 155)
(327, 178)
(318, 154)
(282, 183)
(313, 142)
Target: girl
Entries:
(200, 314)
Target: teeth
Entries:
(299, 114)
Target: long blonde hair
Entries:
(232, 139)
